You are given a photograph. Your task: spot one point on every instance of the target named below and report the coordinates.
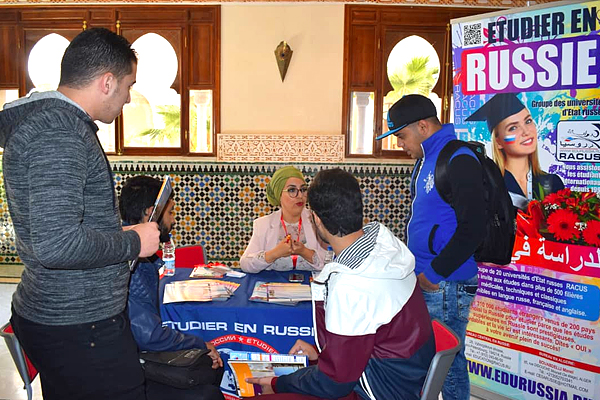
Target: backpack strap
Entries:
(442, 183)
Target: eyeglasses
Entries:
(294, 191)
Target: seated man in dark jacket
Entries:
(135, 205)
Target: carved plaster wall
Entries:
(280, 148)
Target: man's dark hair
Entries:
(138, 193)
(335, 196)
(92, 53)
(434, 120)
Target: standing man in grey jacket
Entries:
(68, 312)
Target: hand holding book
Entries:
(149, 232)
(253, 372)
(265, 384)
(149, 238)
(303, 348)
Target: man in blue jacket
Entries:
(443, 238)
(135, 205)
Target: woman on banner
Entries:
(285, 239)
(515, 150)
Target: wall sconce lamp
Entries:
(283, 55)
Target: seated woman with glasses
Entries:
(286, 239)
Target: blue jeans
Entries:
(451, 304)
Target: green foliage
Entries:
(540, 193)
(415, 77)
(172, 130)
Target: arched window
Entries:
(413, 67)
(43, 64)
(178, 49)
(153, 117)
(390, 51)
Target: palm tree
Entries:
(414, 77)
(172, 130)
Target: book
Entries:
(281, 293)
(161, 200)
(202, 290)
(258, 365)
(159, 205)
(211, 270)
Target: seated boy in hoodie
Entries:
(373, 332)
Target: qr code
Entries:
(472, 34)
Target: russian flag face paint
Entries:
(510, 138)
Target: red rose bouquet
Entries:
(572, 217)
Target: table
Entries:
(239, 324)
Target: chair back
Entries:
(447, 345)
(187, 256)
(24, 366)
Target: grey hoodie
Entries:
(61, 198)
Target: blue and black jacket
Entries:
(444, 238)
(144, 313)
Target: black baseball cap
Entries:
(410, 108)
(499, 107)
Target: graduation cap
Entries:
(499, 107)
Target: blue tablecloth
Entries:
(240, 324)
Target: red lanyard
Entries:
(294, 256)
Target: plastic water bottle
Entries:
(329, 255)
(168, 257)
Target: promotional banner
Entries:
(526, 84)
(534, 334)
(549, 58)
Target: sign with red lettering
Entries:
(527, 83)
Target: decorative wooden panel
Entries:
(9, 61)
(47, 15)
(201, 52)
(208, 14)
(102, 17)
(140, 14)
(9, 16)
(363, 46)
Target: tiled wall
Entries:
(217, 202)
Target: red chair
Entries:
(447, 345)
(24, 366)
(188, 256)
